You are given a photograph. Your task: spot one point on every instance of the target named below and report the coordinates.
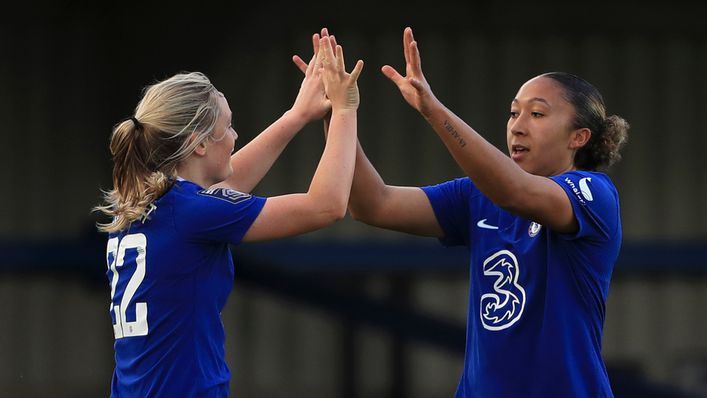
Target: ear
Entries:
(199, 150)
(579, 138)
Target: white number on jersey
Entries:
(122, 327)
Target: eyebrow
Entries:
(534, 99)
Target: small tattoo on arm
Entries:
(453, 132)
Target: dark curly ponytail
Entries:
(609, 134)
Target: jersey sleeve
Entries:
(595, 203)
(450, 202)
(220, 215)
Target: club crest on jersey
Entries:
(534, 229)
(227, 194)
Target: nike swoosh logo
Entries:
(482, 224)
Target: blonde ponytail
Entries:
(173, 117)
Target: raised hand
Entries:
(413, 86)
(300, 63)
(340, 86)
(311, 102)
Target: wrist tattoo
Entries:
(453, 132)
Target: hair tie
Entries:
(137, 124)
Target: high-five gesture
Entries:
(340, 86)
(253, 161)
(413, 86)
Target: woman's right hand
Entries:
(340, 86)
(311, 102)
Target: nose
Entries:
(517, 132)
(517, 126)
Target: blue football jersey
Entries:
(537, 298)
(170, 276)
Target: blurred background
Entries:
(349, 311)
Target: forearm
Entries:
(331, 184)
(254, 160)
(325, 201)
(493, 172)
(398, 208)
(367, 189)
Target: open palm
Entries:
(413, 86)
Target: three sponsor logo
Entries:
(503, 303)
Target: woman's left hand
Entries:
(413, 86)
(311, 102)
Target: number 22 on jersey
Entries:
(116, 263)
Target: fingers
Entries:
(315, 48)
(299, 62)
(340, 65)
(407, 38)
(326, 54)
(415, 61)
(356, 71)
(392, 74)
(325, 32)
(315, 43)
(332, 55)
(312, 65)
(301, 65)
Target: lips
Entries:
(518, 151)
